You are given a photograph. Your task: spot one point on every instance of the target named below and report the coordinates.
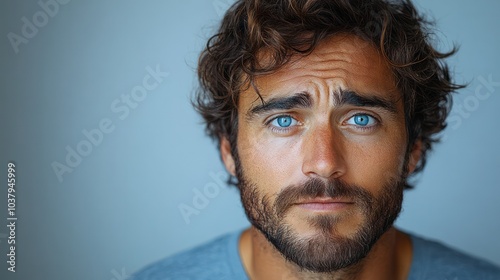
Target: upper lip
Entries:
(324, 200)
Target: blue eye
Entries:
(284, 121)
(362, 120)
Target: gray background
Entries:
(118, 209)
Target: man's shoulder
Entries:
(212, 260)
(434, 260)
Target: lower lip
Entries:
(333, 206)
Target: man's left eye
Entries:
(363, 120)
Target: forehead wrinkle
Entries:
(316, 87)
(335, 96)
(323, 65)
(319, 87)
(335, 64)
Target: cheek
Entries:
(376, 163)
(269, 162)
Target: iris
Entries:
(362, 120)
(284, 121)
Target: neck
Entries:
(389, 258)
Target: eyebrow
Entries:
(348, 97)
(298, 100)
(303, 100)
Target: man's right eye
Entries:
(283, 121)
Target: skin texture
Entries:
(324, 142)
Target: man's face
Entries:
(321, 163)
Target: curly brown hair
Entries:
(283, 28)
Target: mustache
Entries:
(313, 188)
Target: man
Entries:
(322, 110)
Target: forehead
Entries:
(343, 62)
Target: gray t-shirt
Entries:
(220, 260)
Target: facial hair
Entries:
(327, 250)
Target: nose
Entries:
(322, 152)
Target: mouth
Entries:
(324, 204)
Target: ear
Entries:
(227, 157)
(415, 154)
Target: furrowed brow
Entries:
(298, 100)
(348, 97)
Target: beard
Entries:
(326, 250)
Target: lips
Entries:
(324, 203)
(324, 200)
